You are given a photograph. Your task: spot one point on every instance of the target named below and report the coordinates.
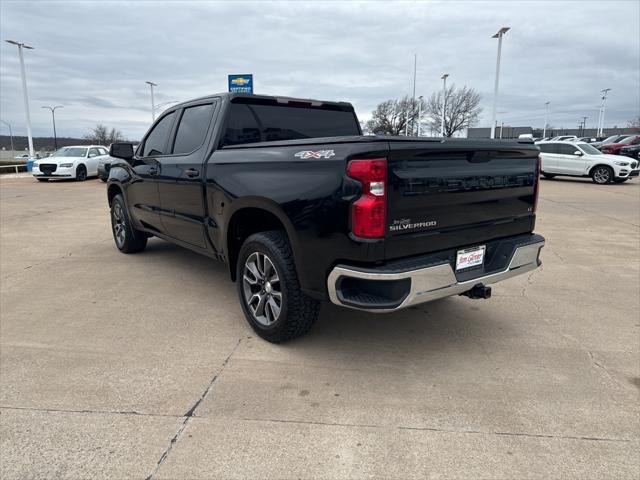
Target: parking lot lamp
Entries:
(499, 36)
(153, 106)
(546, 119)
(10, 135)
(602, 110)
(444, 101)
(53, 115)
(24, 91)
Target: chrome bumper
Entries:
(437, 281)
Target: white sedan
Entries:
(578, 159)
(76, 162)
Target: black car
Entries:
(632, 151)
(303, 208)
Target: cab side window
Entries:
(192, 128)
(157, 141)
(567, 149)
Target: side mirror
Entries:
(578, 153)
(123, 150)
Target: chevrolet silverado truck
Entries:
(303, 208)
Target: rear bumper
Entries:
(400, 284)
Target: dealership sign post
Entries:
(241, 83)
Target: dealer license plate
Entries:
(470, 257)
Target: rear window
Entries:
(250, 123)
(548, 147)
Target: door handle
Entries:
(192, 172)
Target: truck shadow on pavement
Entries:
(452, 320)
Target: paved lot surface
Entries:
(142, 366)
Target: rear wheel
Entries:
(602, 174)
(81, 173)
(127, 238)
(269, 290)
(548, 175)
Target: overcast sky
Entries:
(94, 57)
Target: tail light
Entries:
(536, 184)
(369, 212)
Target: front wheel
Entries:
(602, 175)
(81, 173)
(270, 294)
(127, 238)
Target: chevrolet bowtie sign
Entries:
(241, 83)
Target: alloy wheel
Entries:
(261, 287)
(601, 175)
(119, 225)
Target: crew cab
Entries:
(74, 162)
(303, 208)
(579, 159)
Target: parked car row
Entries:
(580, 159)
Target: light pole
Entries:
(10, 136)
(153, 106)
(499, 36)
(24, 91)
(546, 119)
(53, 115)
(602, 110)
(419, 112)
(444, 102)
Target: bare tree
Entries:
(634, 123)
(390, 117)
(462, 109)
(101, 135)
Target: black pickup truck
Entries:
(303, 208)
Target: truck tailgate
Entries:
(457, 193)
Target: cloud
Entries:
(94, 57)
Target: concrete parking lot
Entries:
(142, 366)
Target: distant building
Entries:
(513, 132)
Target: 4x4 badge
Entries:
(315, 154)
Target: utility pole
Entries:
(22, 46)
(53, 115)
(413, 97)
(546, 119)
(499, 36)
(444, 102)
(584, 125)
(153, 105)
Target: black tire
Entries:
(104, 179)
(42, 179)
(602, 174)
(81, 173)
(548, 175)
(297, 312)
(127, 238)
(620, 180)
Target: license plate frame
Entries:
(472, 257)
